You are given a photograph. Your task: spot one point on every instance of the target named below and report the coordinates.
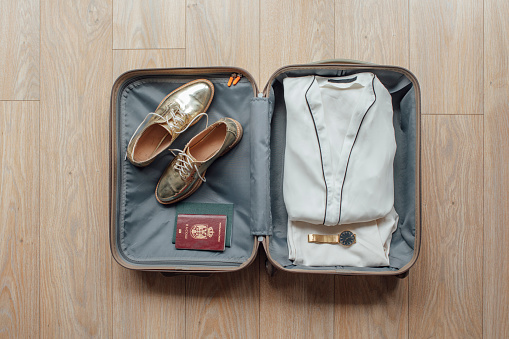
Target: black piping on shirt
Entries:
(320, 147)
(349, 154)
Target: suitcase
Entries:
(250, 176)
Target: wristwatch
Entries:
(345, 238)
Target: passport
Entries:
(206, 208)
(200, 232)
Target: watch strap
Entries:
(324, 238)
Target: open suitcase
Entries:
(250, 176)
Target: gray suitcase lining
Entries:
(144, 227)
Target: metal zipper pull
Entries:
(231, 79)
(237, 79)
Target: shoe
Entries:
(185, 174)
(179, 110)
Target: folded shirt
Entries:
(340, 147)
(338, 168)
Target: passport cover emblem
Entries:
(200, 232)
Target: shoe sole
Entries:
(200, 182)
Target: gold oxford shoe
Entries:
(179, 110)
(185, 174)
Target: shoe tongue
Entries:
(167, 128)
(164, 124)
(193, 159)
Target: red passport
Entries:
(200, 232)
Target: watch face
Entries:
(347, 238)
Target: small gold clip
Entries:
(324, 238)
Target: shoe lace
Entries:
(184, 164)
(175, 114)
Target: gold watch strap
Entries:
(324, 238)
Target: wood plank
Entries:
(223, 33)
(147, 305)
(371, 307)
(496, 171)
(76, 60)
(296, 305)
(125, 60)
(377, 33)
(294, 32)
(224, 305)
(446, 54)
(19, 219)
(19, 55)
(446, 282)
(149, 24)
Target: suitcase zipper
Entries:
(189, 262)
(237, 79)
(266, 90)
(189, 72)
(234, 79)
(234, 75)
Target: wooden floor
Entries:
(58, 60)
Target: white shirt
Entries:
(339, 154)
